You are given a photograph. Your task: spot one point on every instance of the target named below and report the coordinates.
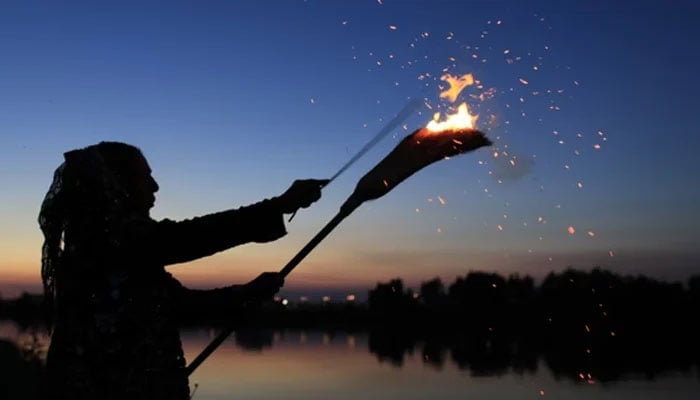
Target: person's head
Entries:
(110, 175)
(132, 173)
(93, 192)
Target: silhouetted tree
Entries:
(390, 299)
(432, 294)
(478, 299)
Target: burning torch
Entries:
(438, 140)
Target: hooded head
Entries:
(92, 191)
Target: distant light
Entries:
(350, 297)
(326, 299)
(285, 302)
(277, 299)
(303, 299)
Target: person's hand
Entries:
(301, 194)
(264, 287)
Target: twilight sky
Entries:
(593, 101)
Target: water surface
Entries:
(318, 365)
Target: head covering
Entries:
(84, 199)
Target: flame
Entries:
(457, 84)
(461, 120)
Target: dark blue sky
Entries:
(231, 101)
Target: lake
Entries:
(319, 365)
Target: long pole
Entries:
(405, 112)
(228, 330)
(345, 210)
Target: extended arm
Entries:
(169, 242)
(178, 242)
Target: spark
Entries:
(523, 81)
(596, 146)
(579, 185)
(591, 233)
(499, 227)
(611, 254)
(392, 27)
(312, 101)
(442, 201)
(571, 230)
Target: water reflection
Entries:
(291, 364)
(486, 355)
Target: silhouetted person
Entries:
(115, 332)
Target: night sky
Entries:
(591, 105)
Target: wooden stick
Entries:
(228, 330)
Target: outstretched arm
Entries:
(169, 242)
(223, 301)
(183, 241)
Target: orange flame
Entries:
(457, 84)
(461, 120)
